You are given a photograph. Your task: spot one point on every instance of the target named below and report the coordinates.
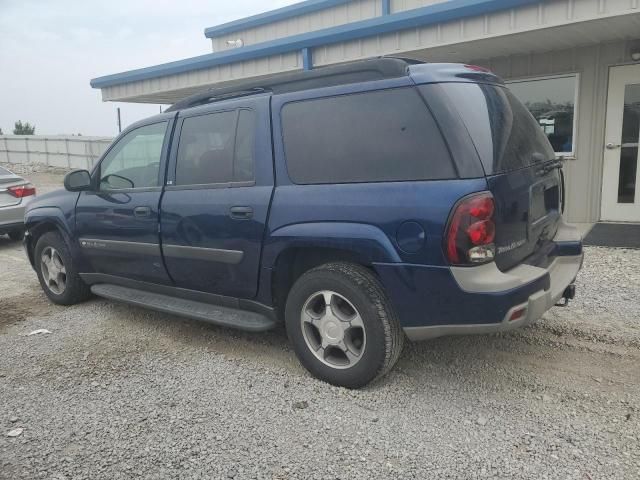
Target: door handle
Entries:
(241, 213)
(140, 212)
(612, 146)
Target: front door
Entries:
(620, 192)
(117, 221)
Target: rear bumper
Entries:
(437, 301)
(562, 273)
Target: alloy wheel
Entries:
(333, 329)
(53, 270)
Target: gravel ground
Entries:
(119, 392)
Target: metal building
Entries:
(575, 64)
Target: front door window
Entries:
(134, 162)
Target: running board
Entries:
(218, 315)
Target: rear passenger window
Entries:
(386, 135)
(216, 148)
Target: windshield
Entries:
(507, 137)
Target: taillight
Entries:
(477, 68)
(21, 191)
(471, 231)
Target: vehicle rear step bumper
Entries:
(562, 272)
(218, 315)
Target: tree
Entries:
(24, 128)
(1, 132)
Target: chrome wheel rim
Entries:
(54, 273)
(333, 329)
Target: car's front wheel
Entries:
(342, 326)
(57, 272)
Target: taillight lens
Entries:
(477, 68)
(21, 191)
(471, 231)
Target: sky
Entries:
(50, 49)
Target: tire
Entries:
(319, 334)
(69, 288)
(16, 235)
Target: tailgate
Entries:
(527, 214)
(522, 171)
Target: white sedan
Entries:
(15, 194)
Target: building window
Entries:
(552, 101)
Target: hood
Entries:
(57, 198)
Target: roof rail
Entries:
(352, 72)
(211, 96)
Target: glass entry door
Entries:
(620, 186)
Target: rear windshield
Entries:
(507, 137)
(4, 171)
(378, 136)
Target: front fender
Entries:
(41, 219)
(368, 243)
(53, 215)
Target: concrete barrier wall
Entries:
(52, 150)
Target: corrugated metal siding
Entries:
(401, 5)
(331, 17)
(186, 83)
(432, 42)
(508, 22)
(584, 174)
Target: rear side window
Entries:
(216, 148)
(380, 136)
(505, 134)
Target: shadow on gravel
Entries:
(18, 308)
(12, 311)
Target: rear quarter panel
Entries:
(383, 206)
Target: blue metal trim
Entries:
(307, 59)
(432, 14)
(386, 7)
(302, 8)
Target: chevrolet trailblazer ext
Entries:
(358, 204)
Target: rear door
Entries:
(217, 197)
(117, 222)
(522, 171)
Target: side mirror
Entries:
(77, 181)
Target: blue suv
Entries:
(357, 204)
